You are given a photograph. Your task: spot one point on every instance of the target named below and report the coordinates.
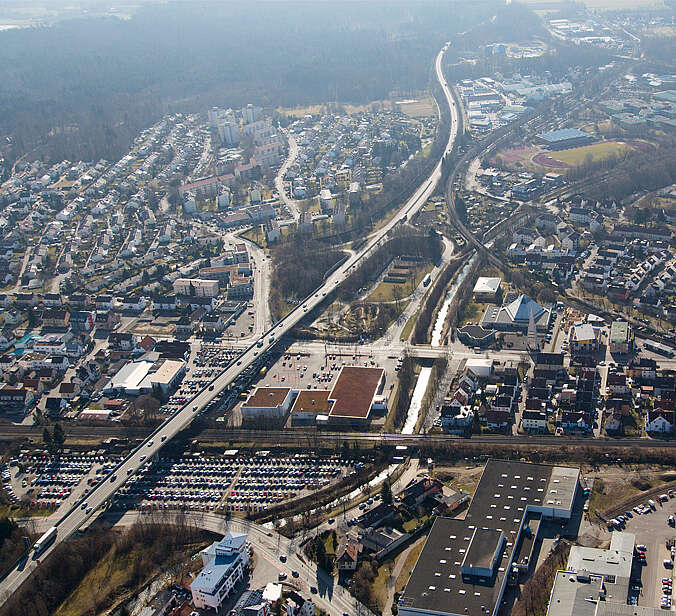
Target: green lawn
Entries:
(255, 235)
(410, 562)
(598, 151)
(386, 291)
(410, 324)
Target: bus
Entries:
(44, 542)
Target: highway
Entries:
(79, 515)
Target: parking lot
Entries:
(299, 369)
(653, 531)
(242, 326)
(205, 365)
(47, 482)
(229, 483)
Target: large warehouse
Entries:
(464, 565)
(564, 138)
(350, 402)
(145, 375)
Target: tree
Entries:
(59, 436)
(47, 438)
(386, 492)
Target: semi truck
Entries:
(44, 542)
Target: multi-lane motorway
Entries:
(75, 518)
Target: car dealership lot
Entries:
(653, 531)
(241, 483)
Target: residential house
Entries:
(659, 421)
(7, 339)
(69, 391)
(133, 303)
(55, 318)
(644, 369)
(497, 419)
(81, 320)
(616, 384)
(416, 494)
(123, 341)
(52, 300)
(534, 421)
(347, 556)
(296, 605)
(14, 399)
(213, 322)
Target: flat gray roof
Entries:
(482, 548)
(504, 492)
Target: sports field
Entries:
(597, 151)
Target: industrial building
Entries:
(147, 374)
(564, 138)
(350, 402)
(486, 289)
(597, 582)
(464, 566)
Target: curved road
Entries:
(289, 201)
(82, 512)
(266, 543)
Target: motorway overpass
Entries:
(78, 516)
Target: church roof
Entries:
(520, 309)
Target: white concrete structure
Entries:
(268, 403)
(224, 564)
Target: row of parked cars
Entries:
(241, 483)
(56, 477)
(667, 584)
(7, 484)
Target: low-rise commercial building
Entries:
(224, 563)
(621, 338)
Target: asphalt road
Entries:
(290, 202)
(266, 543)
(74, 519)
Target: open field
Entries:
(299, 112)
(598, 151)
(420, 108)
(387, 291)
(255, 235)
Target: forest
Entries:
(83, 88)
